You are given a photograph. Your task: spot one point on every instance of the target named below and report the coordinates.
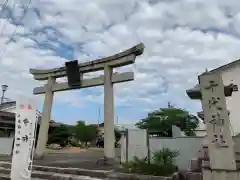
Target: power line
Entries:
(15, 30)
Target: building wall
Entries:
(10, 109)
(6, 145)
(201, 133)
(137, 145)
(232, 75)
(188, 147)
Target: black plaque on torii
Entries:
(73, 73)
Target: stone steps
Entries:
(40, 175)
(206, 164)
(51, 170)
(7, 177)
(56, 173)
(44, 173)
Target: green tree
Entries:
(60, 135)
(161, 121)
(85, 133)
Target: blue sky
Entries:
(182, 39)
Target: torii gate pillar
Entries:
(109, 137)
(46, 117)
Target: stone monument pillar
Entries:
(217, 156)
(216, 117)
(219, 140)
(45, 120)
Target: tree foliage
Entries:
(60, 135)
(85, 133)
(162, 120)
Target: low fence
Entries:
(188, 148)
(138, 143)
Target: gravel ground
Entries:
(85, 159)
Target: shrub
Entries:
(165, 156)
(75, 144)
(161, 164)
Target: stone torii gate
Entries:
(108, 79)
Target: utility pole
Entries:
(117, 120)
(4, 88)
(99, 114)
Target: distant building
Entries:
(7, 119)
(101, 129)
(120, 127)
(123, 127)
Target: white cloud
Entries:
(182, 38)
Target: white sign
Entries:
(25, 127)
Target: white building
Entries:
(201, 130)
(10, 107)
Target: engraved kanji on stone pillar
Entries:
(220, 143)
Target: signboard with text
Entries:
(25, 127)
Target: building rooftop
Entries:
(194, 93)
(9, 117)
(7, 104)
(226, 66)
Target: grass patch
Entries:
(50, 150)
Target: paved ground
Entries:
(86, 159)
